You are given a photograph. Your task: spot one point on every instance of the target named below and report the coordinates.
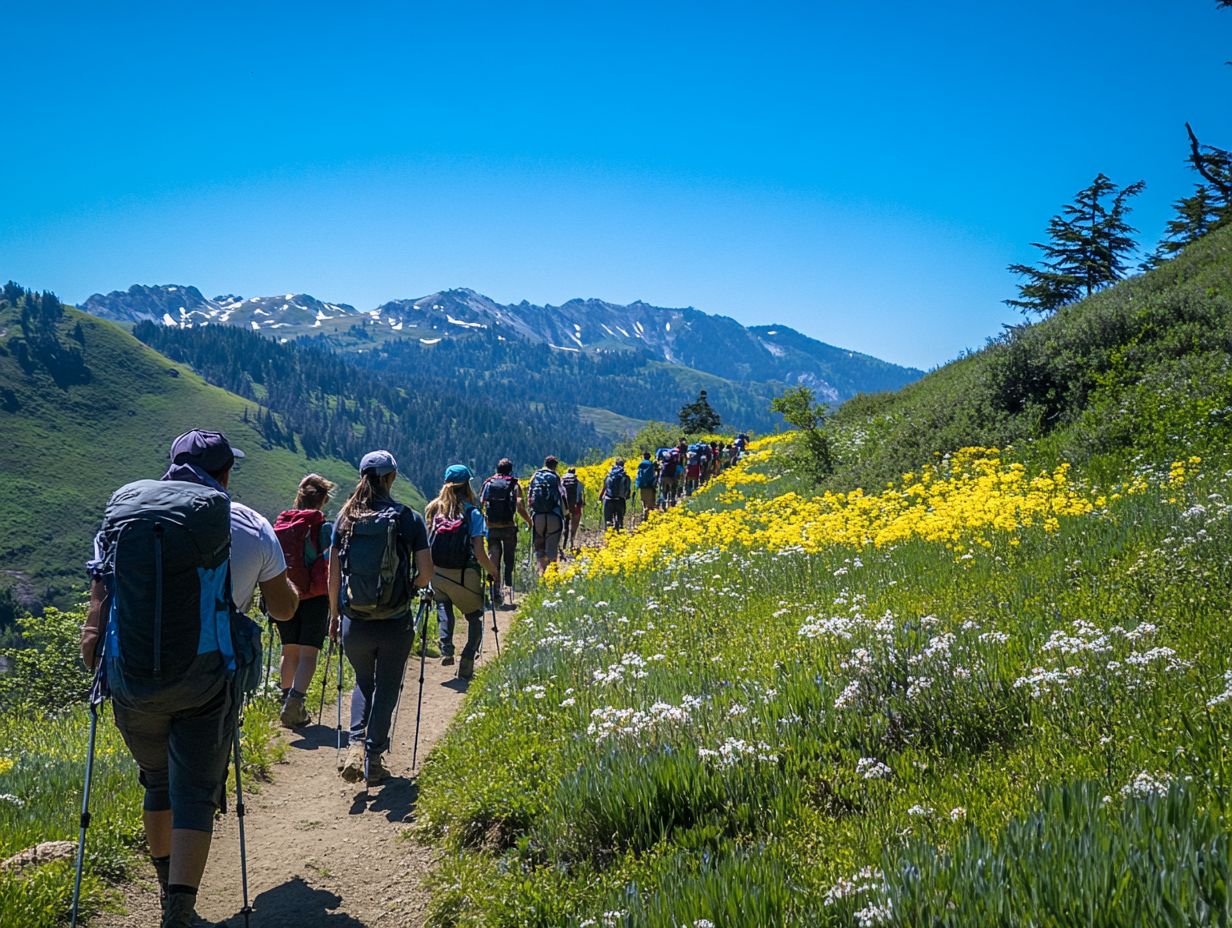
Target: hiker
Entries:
(546, 502)
(575, 505)
(703, 462)
(456, 533)
(716, 459)
(616, 491)
(305, 538)
(669, 476)
(501, 497)
(647, 484)
(380, 561)
(160, 606)
(692, 472)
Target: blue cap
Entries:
(379, 463)
(458, 473)
(208, 450)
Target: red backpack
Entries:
(298, 532)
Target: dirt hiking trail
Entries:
(323, 852)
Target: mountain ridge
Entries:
(687, 336)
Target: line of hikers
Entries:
(665, 478)
(176, 567)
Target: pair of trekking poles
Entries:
(426, 600)
(97, 696)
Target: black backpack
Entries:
(171, 630)
(375, 566)
(450, 540)
(544, 492)
(498, 492)
(573, 493)
(617, 484)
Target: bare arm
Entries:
(481, 555)
(281, 598)
(521, 504)
(92, 631)
(335, 584)
(423, 568)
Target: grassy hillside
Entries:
(990, 688)
(72, 433)
(1144, 368)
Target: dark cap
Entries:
(379, 463)
(208, 450)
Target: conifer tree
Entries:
(1202, 212)
(698, 417)
(1088, 244)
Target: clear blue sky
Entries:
(861, 171)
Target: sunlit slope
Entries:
(68, 438)
(1143, 368)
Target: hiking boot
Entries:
(447, 660)
(179, 911)
(294, 713)
(466, 668)
(377, 771)
(353, 766)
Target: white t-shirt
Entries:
(256, 555)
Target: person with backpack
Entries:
(617, 488)
(669, 476)
(501, 497)
(545, 498)
(692, 473)
(456, 533)
(173, 650)
(647, 484)
(380, 559)
(305, 538)
(575, 505)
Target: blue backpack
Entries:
(646, 475)
(173, 637)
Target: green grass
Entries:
(1144, 368)
(67, 447)
(610, 425)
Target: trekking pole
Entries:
(401, 683)
(495, 630)
(425, 596)
(96, 698)
(269, 652)
(338, 748)
(246, 911)
(329, 655)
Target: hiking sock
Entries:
(285, 691)
(162, 867)
(181, 903)
(296, 694)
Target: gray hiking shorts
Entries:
(182, 756)
(547, 528)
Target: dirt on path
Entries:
(322, 852)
